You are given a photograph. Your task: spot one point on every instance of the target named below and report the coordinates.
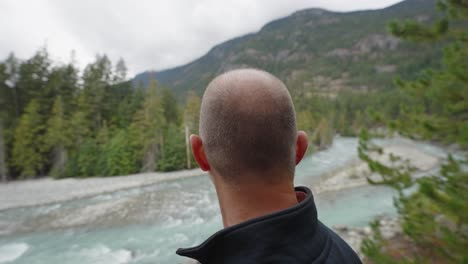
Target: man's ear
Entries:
(301, 145)
(199, 152)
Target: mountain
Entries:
(317, 50)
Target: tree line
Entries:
(56, 121)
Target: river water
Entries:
(147, 224)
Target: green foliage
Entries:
(120, 74)
(81, 123)
(148, 126)
(94, 125)
(57, 138)
(435, 215)
(28, 150)
(93, 156)
(9, 108)
(169, 105)
(97, 79)
(323, 135)
(347, 113)
(102, 140)
(372, 248)
(192, 112)
(3, 156)
(306, 122)
(32, 80)
(62, 81)
(120, 155)
(191, 123)
(396, 174)
(83, 163)
(173, 150)
(441, 104)
(127, 107)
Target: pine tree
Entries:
(128, 106)
(9, 80)
(32, 79)
(435, 216)
(97, 78)
(148, 128)
(102, 140)
(442, 107)
(5, 111)
(81, 121)
(28, 146)
(8, 100)
(192, 112)
(169, 104)
(120, 155)
(358, 122)
(63, 81)
(120, 74)
(86, 161)
(306, 122)
(58, 138)
(191, 123)
(323, 134)
(173, 150)
(3, 151)
(343, 126)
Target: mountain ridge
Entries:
(310, 48)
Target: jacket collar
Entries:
(290, 230)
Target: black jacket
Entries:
(293, 235)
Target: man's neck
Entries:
(247, 201)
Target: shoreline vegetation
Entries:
(33, 192)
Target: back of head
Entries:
(248, 127)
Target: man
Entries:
(250, 146)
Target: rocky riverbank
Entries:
(44, 191)
(389, 228)
(356, 172)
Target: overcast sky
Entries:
(148, 34)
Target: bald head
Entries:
(248, 126)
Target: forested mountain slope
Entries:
(316, 50)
